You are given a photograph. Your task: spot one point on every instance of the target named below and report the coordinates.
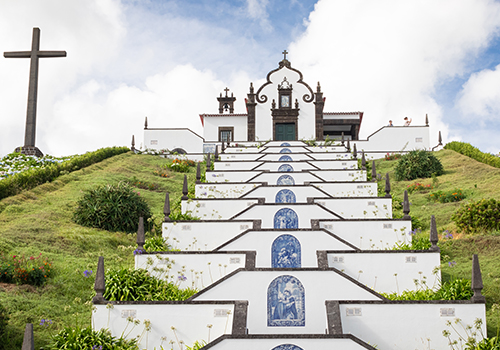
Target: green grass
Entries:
(40, 220)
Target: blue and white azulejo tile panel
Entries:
(286, 302)
(285, 180)
(286, 252)
(285, 150)
(286, 218)
(285, 196)
(287, 347)
(285, 158)
(285, 167)
(285, 144)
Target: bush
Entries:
(4, 318)
(418, 187)
(470, 151)
(181, 165)
(457, 289)
(481, 215)
(132, 285)
(156, 244)
(418, 164)
(450, 196)
(33, 177)
(112, 208)
(22, 270)
(87, 338)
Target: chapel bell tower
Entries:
(226, 103)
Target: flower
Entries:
(182, 278)
(87, 273)
(138, 251)
(45, 322)
(452, 263)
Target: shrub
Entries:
(450, 196)
(181, 165)
(481, 215)
(470, 151)
(392, 156)
(156, 244)
(145, 185)
(417, 164)
(4, 318)
(87, 338)
(457, 289)
(112, 208)
(131, 285)
(22, 270)
(418, 187)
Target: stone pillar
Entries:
(477, 281)
(319, 104)
(166, 208)
(29, 340)
(406, 207)
(433, 235)
(141, 236)
(185, 189)
(100, 284)
(250, 103)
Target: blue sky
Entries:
(169, 60)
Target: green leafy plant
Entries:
(417, 164)
(455, 195)
(457, 289)
(4, 319)
(181, 165)
(197, 345)
(144, 185)
(470, 151)
(418, 187)
(112, 208)
(137, 284)
(156, 244)
(22, 270)
(418, 242)
(392, 156)
(480, 215)
(87, 338)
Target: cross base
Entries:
(29, 151)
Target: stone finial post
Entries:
(99, 285)
(216, 154)
(440, 139)
(406, 206)
(198, 173)
(354, 151)
(477, 281)
(146, 123)
(434, 235)
(348, 146)
(223, 147)
(363, 160)
(209, 163)
(166, 208)
(426, 120)
(141, 236)
(387, 186)
(185, 188)
(374, 172)
(29, 340)
(133, 144)
(342, 139)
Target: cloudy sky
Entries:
(169, 60)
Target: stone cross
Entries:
(226, 90)
(285, 53)
(33, 55)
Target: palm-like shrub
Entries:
(418, 164)
(112, 208)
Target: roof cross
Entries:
(226, 90)
(285, 53)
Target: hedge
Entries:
(31, 178)
(470, 151)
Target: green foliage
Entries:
(4, 318)
(87, 338)
(21, 270)
(455, 195)
(181, 165)
(112, 208)
(176, 212)
(470, 151)
(418, 187)
(417, 164)
(156, 244)
(197, 345)
(33, 177)
(477, 216)
(144, 185)
(457, 289)
(131, 285)
(492, 343)
(392, 156)
(418, 242)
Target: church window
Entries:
(226, 134)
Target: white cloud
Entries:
(257, 9)
(387, 57)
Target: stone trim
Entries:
(333, 317)
(359, 251)
(240, 317)
(395, 302)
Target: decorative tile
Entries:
(209, 148)
(285, 159)
(285, 150)
(285, 144)
(287, 347)
(285, 196)
(285, 167)
(285, 180)
(286, 218)
(286, 252)
(286, 302)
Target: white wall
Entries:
(358, 208)
(331, 155)
(215, 209)
(296, 166)
(231, 176)
(223, 190)
(348, 189)
(408, 326)
(159, 139)
(274, 157)
(239, 165)
(212, 124)
(395, 139)
(371, 234)
(304, 343)
(202, 235)
(301, 193)
(190, 322)
(293, 149)
(340, 175)
(335, 164)
(253, 285)
(392, 271)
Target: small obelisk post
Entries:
(35, 53)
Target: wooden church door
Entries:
(285, 132)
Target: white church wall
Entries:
(395, 139)
(292, 149)
(246, 165)
(190, 270)
(187, 323)
(399, 273)
(331, 155)
(212, 124)
(223, 190)
(280, 143)
(170, 139)
(359, 208)
(304, 343)
(334, 164)
(296, 166)
(215, 209)
(348, 189)
(321, 149)
(202, 235)
(231, 176)
(276, 157)
(340, 175)
(310, 241)
(413, 325)
(253, 286)
(371, 234)
(301, 193)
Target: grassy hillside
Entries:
(39, 221)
